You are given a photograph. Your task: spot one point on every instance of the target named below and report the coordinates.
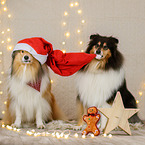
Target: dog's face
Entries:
(101, 50)
(106, 52)
(25, 66)
(23, 57)
(103, 47)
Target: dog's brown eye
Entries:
(22, 51)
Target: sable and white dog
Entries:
(99, 81)
(29, 92)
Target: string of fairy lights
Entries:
(66, 25)
(66, 134)
(6, 41)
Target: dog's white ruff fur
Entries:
(27, 103)
(96, 88)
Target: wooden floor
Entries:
(9, 137)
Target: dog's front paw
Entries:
(16, 125)
(41, 126)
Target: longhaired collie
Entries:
(99, 81)
(29, 93)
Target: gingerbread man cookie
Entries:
(92, 119)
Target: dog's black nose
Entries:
(98, 51)
(26, 57)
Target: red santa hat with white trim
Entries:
(64, 64)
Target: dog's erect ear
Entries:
(94, 36)
(115, 40)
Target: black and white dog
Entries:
(99, 81)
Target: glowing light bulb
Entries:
(2, 72)
(92, 136)
(29, 133)
(8, 39)
(9, 127)
(78, 31)
(71, 5)
(3, 126)
(3, 32)
(0, 61)
(82, 50)
(67, 34)
(64, 51)
(83, 21)
(51, 81)
(84, 136)
(9, 47)
(0, 82)
(65, 13)
(66, 136)
(140, 93)
(110, 135)
(81, 42)
(35, 135)
(76, 135)
(5, 9)
(64, 23)
(58, 135)
(105, 135)
(63, 43)
(8, 29)
(137, 101)
(18, 130)
(3, 112)
(9, 15)
(79, 11)
(1, 92)
(2, 41)
(5, 102)
(1, 53)
(76, 3)
(2, 2)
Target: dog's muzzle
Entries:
(26, 59)
(99, 54)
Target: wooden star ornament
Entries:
(118, 115)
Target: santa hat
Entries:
(64, 64)
(38, 47)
